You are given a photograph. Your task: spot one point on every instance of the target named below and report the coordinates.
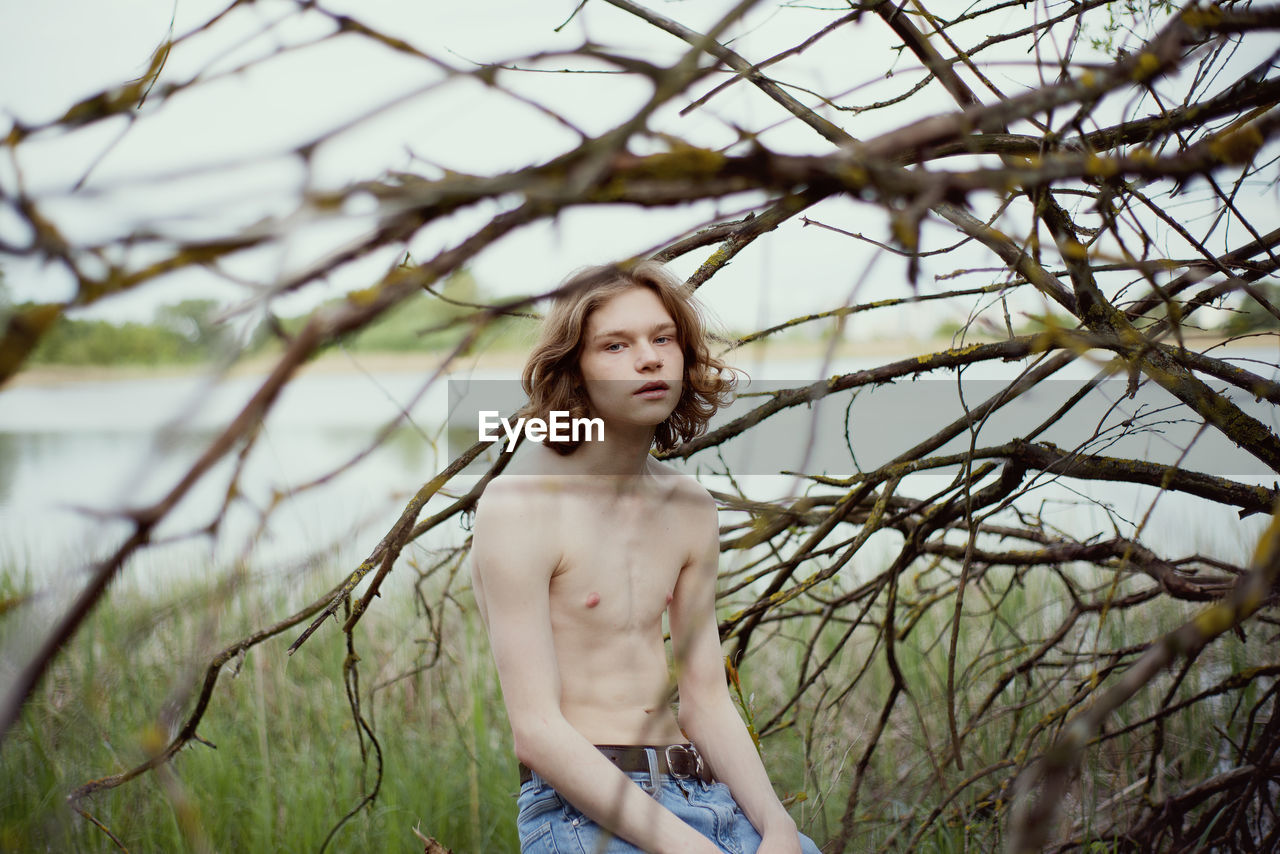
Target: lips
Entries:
(652, 388)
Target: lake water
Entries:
(73, 453)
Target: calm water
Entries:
(72, 453)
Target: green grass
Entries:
(912, 774)
(288, 764)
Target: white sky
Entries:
(215, 158)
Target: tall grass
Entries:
(916, 795)
(287, 762)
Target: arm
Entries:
(707, 712)
(514, 557)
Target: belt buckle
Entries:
(700, 770)
(671, 766)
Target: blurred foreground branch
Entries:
(955, 623)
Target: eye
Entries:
(662, 339)
(615, 347)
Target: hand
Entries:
(701, 846)
(780, 843)
(712, 848)
(689, 841)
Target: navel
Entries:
(593, 599)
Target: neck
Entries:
(624, 452)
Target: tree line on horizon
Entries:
(191, 331)
(195, 331)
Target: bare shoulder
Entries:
(529, 482)
(690, 499)
(511, 503)
(507, 491)
(691, 490)
(683, 486)
(518, 528)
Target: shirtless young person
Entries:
(578, 553)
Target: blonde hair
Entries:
(553, 380)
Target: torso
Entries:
(617, 558)
(619, 565)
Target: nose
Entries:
(647, 357)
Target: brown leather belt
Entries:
(681, 761)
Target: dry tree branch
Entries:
(188, 731)
(1040, 787)
(975, 580)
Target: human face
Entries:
(632, 362)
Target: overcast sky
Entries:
(216, 158)
(211, 158)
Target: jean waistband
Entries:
(681, 761)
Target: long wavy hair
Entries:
(552, 378)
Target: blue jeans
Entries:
(549, 824)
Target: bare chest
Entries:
(619, 565)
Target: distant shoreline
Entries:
(340, 362)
